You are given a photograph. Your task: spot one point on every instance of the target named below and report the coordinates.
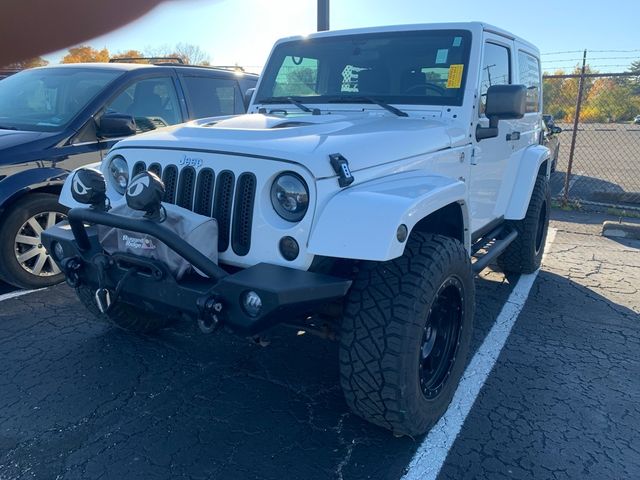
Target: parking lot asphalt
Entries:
(605, 164)
(5, 288)
(81, 400)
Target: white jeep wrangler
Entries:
(377, 171)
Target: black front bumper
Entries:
(148, 284)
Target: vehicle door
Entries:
(491, 157)
(82, 147)
(152, 101)
(210, 96)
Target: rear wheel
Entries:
(524, 255)
(123, 315)
(406, 334)
(24, 262)
(554, 162)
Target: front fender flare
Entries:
(362, 222)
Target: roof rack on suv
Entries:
(153, 60)
(235, 68)
(229, 67)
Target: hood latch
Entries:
(341, 167)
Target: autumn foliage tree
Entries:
(129, 54)
(29, 63)
(85, 53)
(605, 99)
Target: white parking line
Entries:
(431, 455)
(19, 293)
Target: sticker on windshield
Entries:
(457, 41)
(441, 56)
(455, 76)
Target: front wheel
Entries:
(406, 334)
(122, 315)
(24, 262)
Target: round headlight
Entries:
(290, 196)
(119, 172)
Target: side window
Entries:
(495, 70)
(529, 69)
(210, 97)
(153, 102)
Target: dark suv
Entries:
(55, 119)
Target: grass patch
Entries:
(621, 212)
(568, 206)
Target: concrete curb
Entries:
(621, 230)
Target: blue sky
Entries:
(242, 31)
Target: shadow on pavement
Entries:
(562, 401)
(6, 288)
(81, 400)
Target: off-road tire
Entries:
(554, 162)
(10, 269)
(382, 332)
(524, 255)
(122, 315)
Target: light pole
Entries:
(323, 15)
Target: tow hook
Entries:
(103, 299)
(210, 314)
(71, 267)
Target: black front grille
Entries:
(156, 168)
(139, 167)
(170, 180)
(203, 204)
(243, 213)
(222, 207)
(230, 203)
(186, 187)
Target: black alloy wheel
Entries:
(441, 337)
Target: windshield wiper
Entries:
(360, 98)
(292, 100)
(7, 127)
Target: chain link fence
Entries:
(599, 156)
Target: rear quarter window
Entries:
(529, 70)
(210, 97)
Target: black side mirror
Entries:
(504, 102)
(113, 125)
(555, 129)
(247, 97)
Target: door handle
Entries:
(513, 136)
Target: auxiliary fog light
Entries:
(251, 303)
(289, 248)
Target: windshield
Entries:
(421, 67)
(47, 99)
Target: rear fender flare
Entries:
(528, 169)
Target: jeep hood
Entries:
(365, 139)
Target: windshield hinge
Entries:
(341, 167)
